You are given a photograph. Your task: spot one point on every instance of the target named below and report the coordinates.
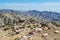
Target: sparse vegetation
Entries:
(14, 27)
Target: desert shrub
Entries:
(2, 26)
(17, 32)
(31, 20)
(9, 21)
(6, 29)
(31, 33)
(21, 27)
(44, 25)
(1, 15)
(16, 38)
(21, 21)
(29, 26)
(5, 20)
(17, 28)
(14, 21)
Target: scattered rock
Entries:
(24, 36)
(17, 32)
(21, 27)
(44, 35)
(16, 38)
(31, 33)
(45, 28)
(56, 31)
(29, 37)
(38, 29)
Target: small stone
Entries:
(3, 36)
(44, 35)
(17, 30)
(39, 26)
(29, 36)
(46, 28)
(24, 36)
(39, 29)
(56, 31)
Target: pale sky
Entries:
(41, 5)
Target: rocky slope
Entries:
(46, 15)
(17, 25)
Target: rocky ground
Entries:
(14, 29)
(30, 31)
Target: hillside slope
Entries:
(46, 15)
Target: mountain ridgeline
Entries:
(48, 15)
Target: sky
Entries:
(41, 5)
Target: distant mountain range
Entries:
(47, 15)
